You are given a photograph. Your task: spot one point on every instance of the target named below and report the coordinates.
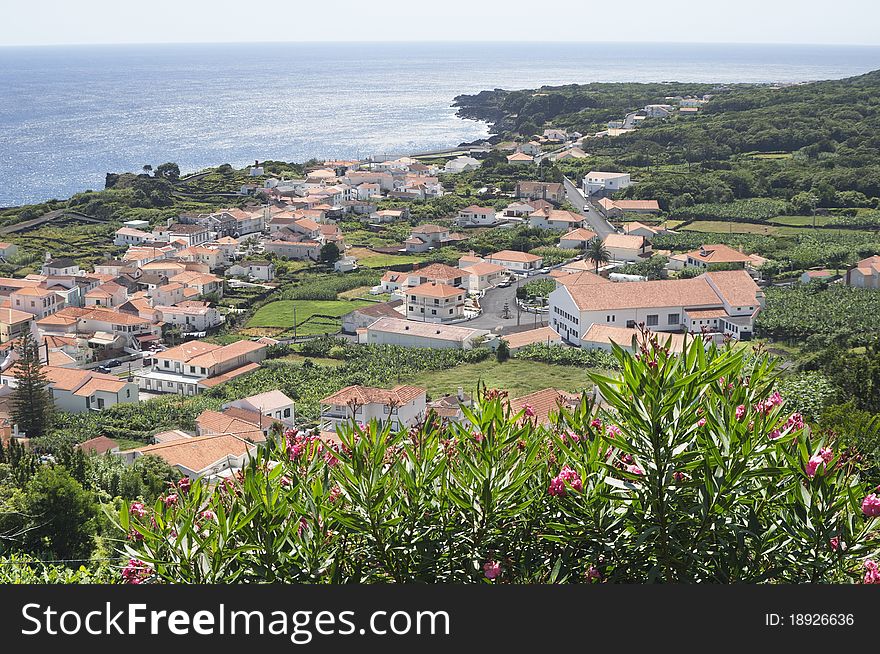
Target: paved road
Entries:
(596, 222)
(492, 304)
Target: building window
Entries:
(653, 319)
(673, 319)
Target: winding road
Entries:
(595, 220)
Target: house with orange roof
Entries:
(543, 405)
(108, 294)
(293, 246)
(15, 323)
(76, 391)
(189, 316)
(482, 275)
(435, 302)
(866, 273)
(722, 302)
(600, 337)
(204, 283)
(708, 255)
(619, 208)
(540, 336)
(426, 237)
(244, 423)
(520, 158)
(516, 261)
(436, 272)
(273, 404)
(40, 302)
(401, 406)
(127, 236)
(547, 191)
(555, 219)
(576, 239)
(193, 366)
(626, 247)
(212, 457)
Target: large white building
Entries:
(725, 302)
(433, 302)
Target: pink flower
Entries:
(136, 572)
(170, 500)
(184, 484)
(813, 465)
(634, 469)
(335, 492)
(836, 544)
(137, 509)
(557, 487)
(827, 454)
(679, 476)
(593, 574)
(478, 438)
(740, 412)
(529, 411)
(285, 481)
(871, 506)
(701, 422)
(491, 569)
(135, 536)
(795, 421)
(596, 423)
(207, 514)
(775, 434)
(572, 478)
(872, 574)
(303, 523)
(613, 430)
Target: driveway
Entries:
(492, 304)
(596, 222)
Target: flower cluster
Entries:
(136, 572)
(566, 477)
(491, 569)
(824, 456)
(137, 509)
(298, 443)
(872, 574)
(770, 403)
(871, 505)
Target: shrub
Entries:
(692, 472)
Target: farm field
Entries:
(517, 377)
(280, 314)
(801, 221)
(726, 227)
(369, 259)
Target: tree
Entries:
(147, 169)
(169, 171)
(502, 352)
(329, 253)
(597, 252)
(31, 400)
(61, 514)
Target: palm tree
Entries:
(597, 253)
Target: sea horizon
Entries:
(72, 113)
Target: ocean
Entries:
(68, 115)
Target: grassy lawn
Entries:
(362, 292)
(388, 260)
(280, 313)
(725, 227)
(801, 221)
(127, 444)
(517, 377)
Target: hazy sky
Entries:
(46, 22)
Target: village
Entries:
(133, 327)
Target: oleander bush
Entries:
(692, 469)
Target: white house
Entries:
(626, 247)
(461, 164)
(363, 317)
(190, 316)
(725, 302)
(273, 404)
(191, 367)
(260, 270)
(708, 255)
(128, 236)
(516, 261)
(576, 239)
(605, 182)
(483, 275)
(425, 237)
(76, 391)
(212, 457)
(553, 134)
(866, 274)
(433, 302)
(413, 333)
(402, 407)
(475, 216)
(555, 219)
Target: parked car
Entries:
(113, 363)
(103, 369)
(544, 270)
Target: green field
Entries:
(318, 361)
(517, 377)
(309, 314)
(726, 227)
(801, 221)
(388, 260)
